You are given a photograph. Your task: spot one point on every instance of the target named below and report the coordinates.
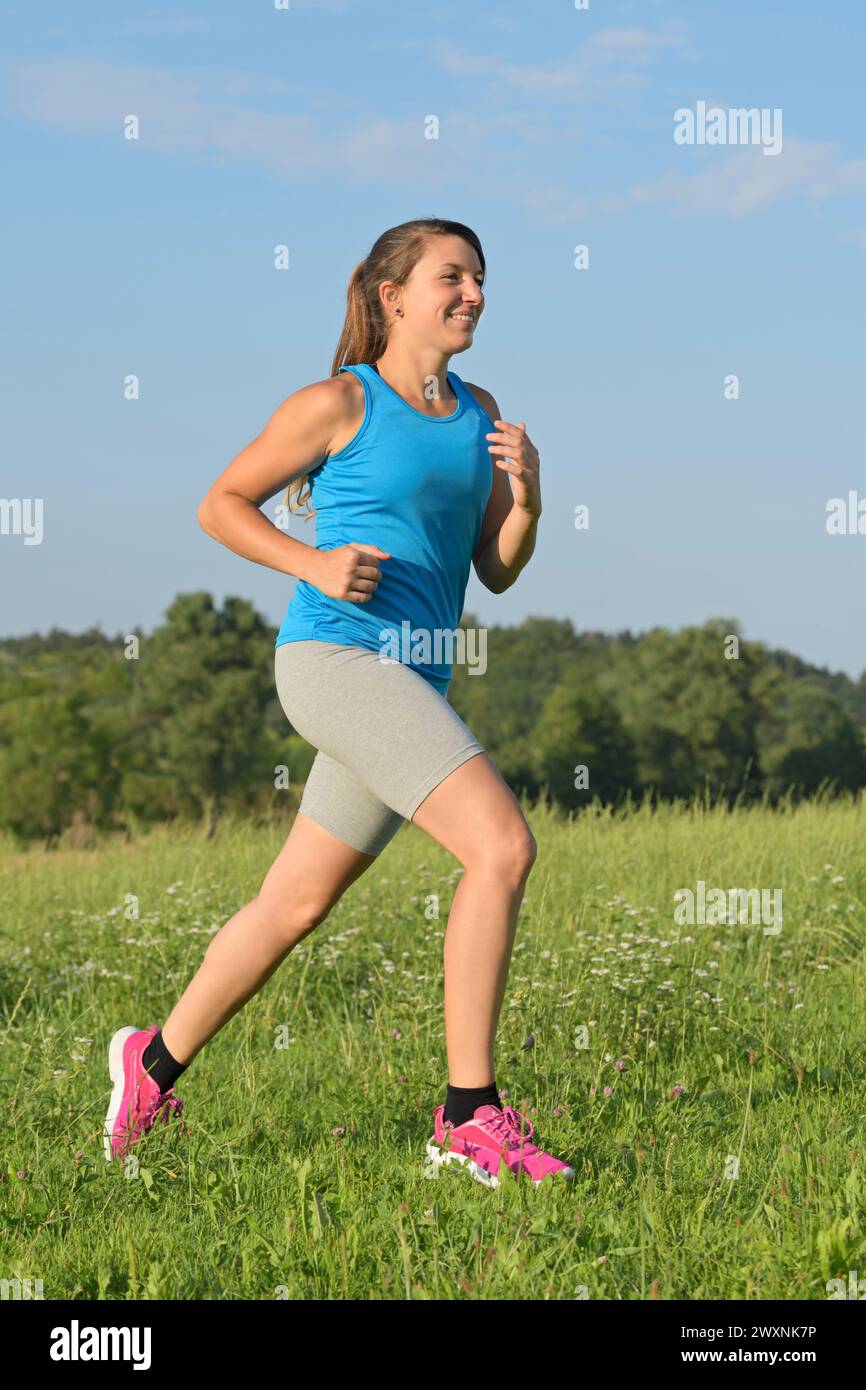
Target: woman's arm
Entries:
(507, 551)
(293, 442)
(507, 538)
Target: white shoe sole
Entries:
(446, 1156)
(115, 1071)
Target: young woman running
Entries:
(398, 452)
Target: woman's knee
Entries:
(509, 854)
(525, 850)
(292, 919)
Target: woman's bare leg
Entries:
(477, 817)
(292, 901)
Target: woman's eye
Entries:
(455, 276)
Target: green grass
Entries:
(303, 1174)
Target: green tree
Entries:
(811, 738)
(580, 727)
(204, 681)
(53, 763)
(691, 710)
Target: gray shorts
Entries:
(385, 737)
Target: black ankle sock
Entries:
(462, 1101)
(158, 1061)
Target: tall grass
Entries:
(715, 1116)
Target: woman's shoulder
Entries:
(345, 383)
(341, 402)
(330, 407)
(336, 396)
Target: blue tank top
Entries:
(417, 486)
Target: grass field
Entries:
(303, 1172)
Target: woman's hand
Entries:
(521, 461)
(349, 571)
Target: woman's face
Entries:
(442, 300)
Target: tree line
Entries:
(114, 733)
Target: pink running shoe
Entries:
(490, 1136)
(136, 1099)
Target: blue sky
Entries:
(305, 127)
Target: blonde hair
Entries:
(366, 327)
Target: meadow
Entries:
(705, 1081)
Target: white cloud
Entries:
(554, 206)
(741, 180)
(606, 60)
(202, 111)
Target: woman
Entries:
(394, 448)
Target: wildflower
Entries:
(338, 1129)
(676, 1090)
(608, 1091)
(619, 1064)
